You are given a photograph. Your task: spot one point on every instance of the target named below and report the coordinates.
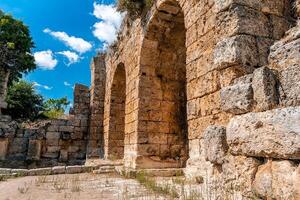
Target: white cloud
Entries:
(77, 44)
(45, 60)
(66, 83)
(106, 30)
(46, 87)
(71, 56)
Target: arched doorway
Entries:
(116, 129)
(163, 119)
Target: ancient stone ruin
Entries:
(211, 87)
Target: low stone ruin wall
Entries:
(47, 143)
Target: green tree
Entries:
(55, 108)
(23, 101)
(15, 47)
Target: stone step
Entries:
(167, 172)
(104, 169)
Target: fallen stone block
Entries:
(5, 171)
(74, 169)
(59, 170)
(270, 134)
(40, 171)
(20, 172)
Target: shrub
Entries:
(23, 101)
(134, 8)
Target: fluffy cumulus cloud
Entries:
(66, 83)
(110, 21)
(46, 87)
(45, 60)
(75, 43)
(71, 56)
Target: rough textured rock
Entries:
(289, 88)
(275, 180)
(285, 52)
(34, 150)
(215, 144)
(264, 87)
(3, 148)
(237, 99)
(274, 133)
(238, 174)
(237, 51)
(296, 181)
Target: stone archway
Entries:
(116, 127)
(162, 134)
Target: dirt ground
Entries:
(74, 187)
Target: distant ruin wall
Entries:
(47, 143)
(97, 92)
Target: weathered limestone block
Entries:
(66, 128)
(242, 20)
(73, 169)
(3, 148)
(264, 87)
(285, 52)
(215, 144)
(237, 176)
(275, 180)
(296, 181)
(53, 135)
(274, 133)
(63, 155)
(289, 88)
(237, 99)
(39, 172)
(268, 6)
(58, 170)
(240, 51)
(34, 150)
(18, 147)
(297, 5)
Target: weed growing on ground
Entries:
(24, 189)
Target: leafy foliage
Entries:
(55, 108)
(15, 47)
(23, 101)
(134, 8)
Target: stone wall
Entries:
(3, 88)
(97, 91)
(211, 86)
(47, 143)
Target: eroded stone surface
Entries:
(274, 133)
(237, 99)
(264, 87)
(275, 180)
(215, 144)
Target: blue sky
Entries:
(64, 30)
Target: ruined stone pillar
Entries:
(4, 75)
(97, 92)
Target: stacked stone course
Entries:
(219, 77)
(210, 86)
(47, 143)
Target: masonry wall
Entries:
(97, 92)
(47, 143)
(240, 67)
